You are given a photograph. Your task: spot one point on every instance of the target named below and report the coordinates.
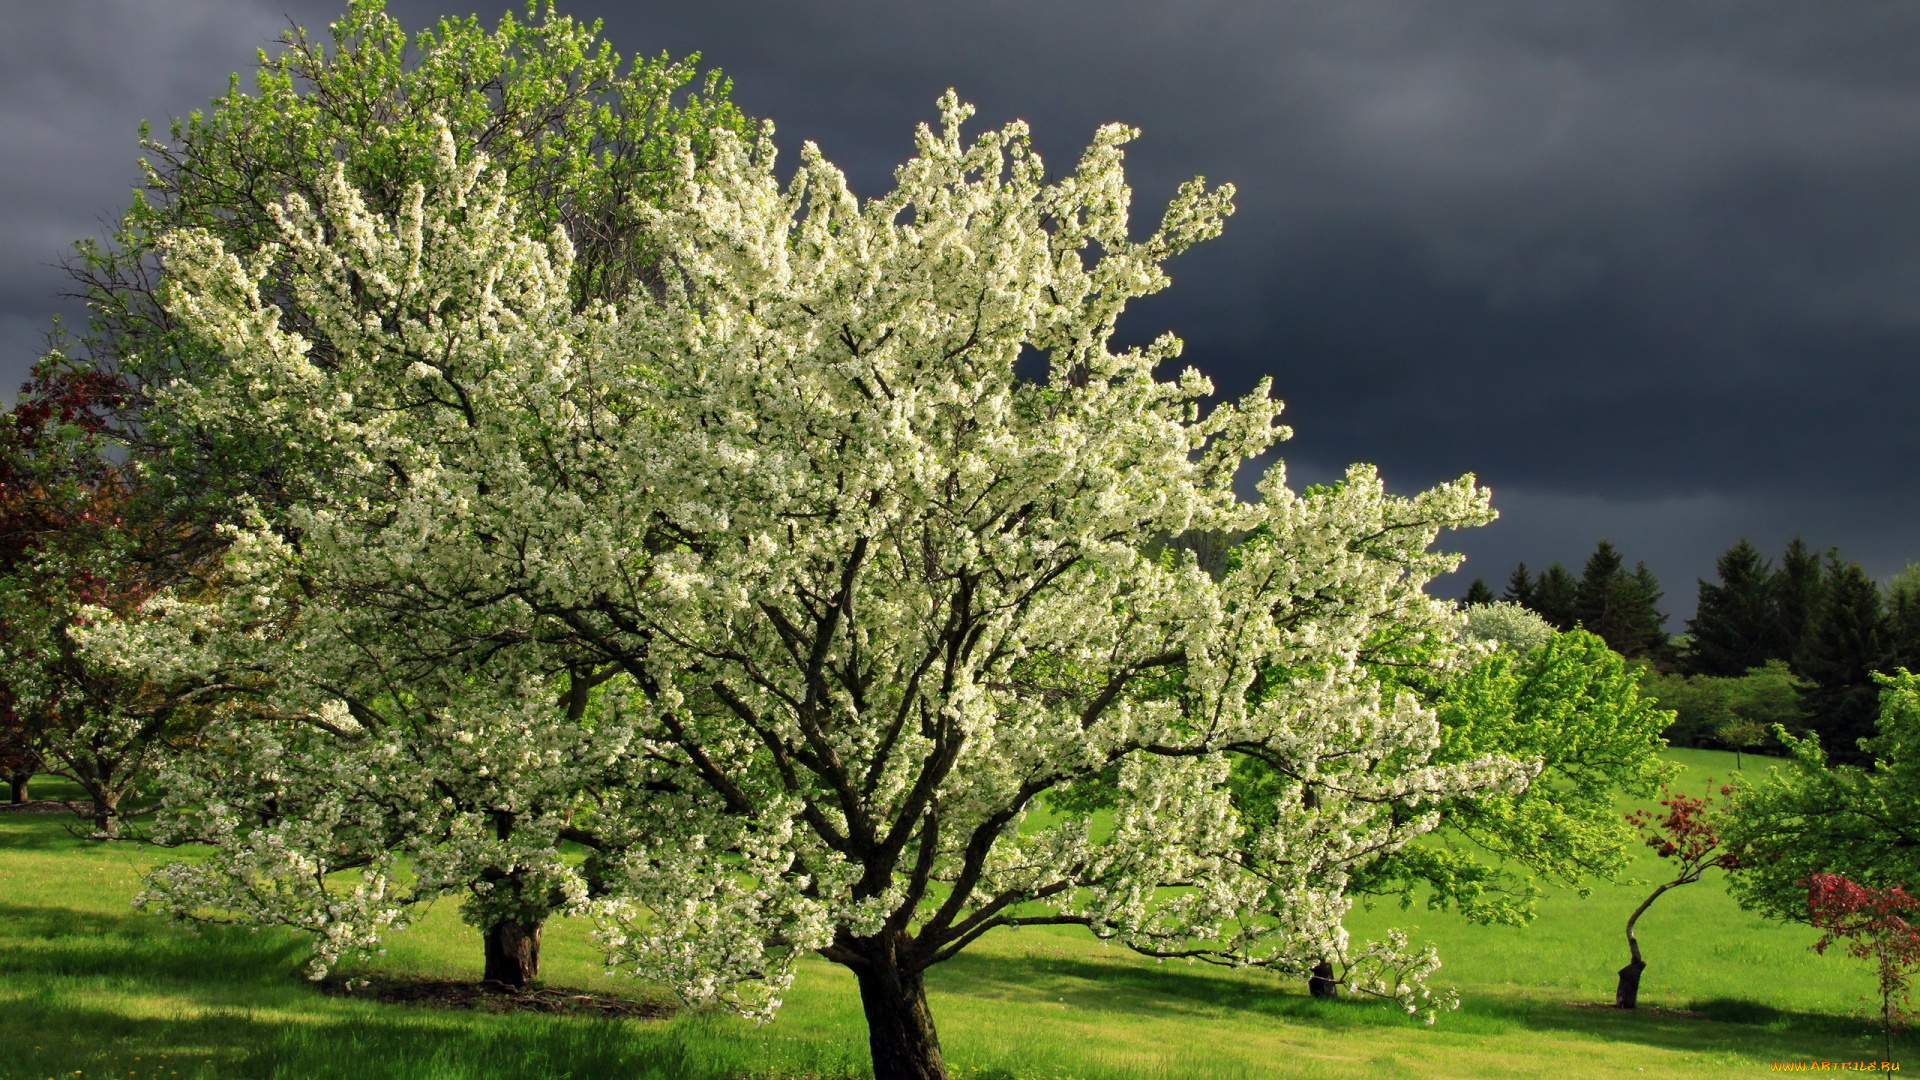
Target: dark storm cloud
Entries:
(76, 79)
(1650, 270)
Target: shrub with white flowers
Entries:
(1513, 627)
(861, 597)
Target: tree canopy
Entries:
(1814, 816)
(861, 592)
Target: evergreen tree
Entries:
(1616, 605)
(1478, 593)
(1519, 587)
(1553, 597)
(1903, 620)
(1738, 626)
(1797, 591)
(1846, 646)
(1651, 617)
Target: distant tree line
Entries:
(1620, 607)
(1796, 643)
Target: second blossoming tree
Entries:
(864, 596)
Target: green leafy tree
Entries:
(1738, 713)
(1903, 619)
(1816, 816)
(1561, 702)
(1737, 626)
(1573, 707)
(582, 142)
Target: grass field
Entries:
(89, 988)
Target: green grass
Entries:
(89, 988)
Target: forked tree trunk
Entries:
(20, 782)
(1321, 983)
(899, 1025)
(513, 953)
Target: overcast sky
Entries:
(1651, 270)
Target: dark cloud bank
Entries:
(1652, 271)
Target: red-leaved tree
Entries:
(80, 541)
(1688, 834)
(52, 475)
(1875, 925)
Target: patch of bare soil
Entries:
(490, 996)
(1658, 1010)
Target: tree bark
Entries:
(1627, 994)
(513, 953)
(899, 1025)
(105, 812)
(21, 783)
(1321, 983)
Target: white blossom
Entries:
(873, 611)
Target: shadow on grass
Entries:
(64, 831)
(1725, 1026)
(50, 1037)
(1738, 1011)
(1123, 986)
(128, 995)
(45, 941)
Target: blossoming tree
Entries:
(81, 542)
(863, 596)
(578, 138)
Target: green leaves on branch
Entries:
(1572, 707)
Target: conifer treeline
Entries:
(1832, 624)
(1622, 607)
(1820, 614)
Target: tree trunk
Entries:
(899, 1025)
(1886, 1022)
(1627, 994)
(1321, 983)
(513, 953)
(105, 812)
(20, 782)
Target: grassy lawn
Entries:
(89, 988)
